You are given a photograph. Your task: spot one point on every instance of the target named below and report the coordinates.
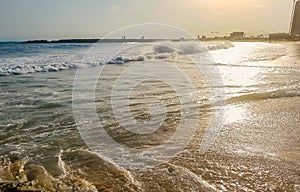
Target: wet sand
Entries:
(258, 148)
(259, 153)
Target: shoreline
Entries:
(150, 40)
(91, 41)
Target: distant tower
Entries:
(295, 25)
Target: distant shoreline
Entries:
(96, 41)
(137, 40)
(61, 41)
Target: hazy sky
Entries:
(55, 19)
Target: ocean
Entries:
(164, 116)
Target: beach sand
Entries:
(257, 149)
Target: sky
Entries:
(57, 19)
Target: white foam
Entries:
(103, 54)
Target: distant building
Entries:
(237, 35)
(279, 36)
(295, 25)
(294, 34)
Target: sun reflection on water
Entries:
(234, 114)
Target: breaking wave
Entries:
(56, 59)
(263, 96)
(23, 174)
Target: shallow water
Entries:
(257, 148)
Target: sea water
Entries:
(256, 148)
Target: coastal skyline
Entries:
(31, 19)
